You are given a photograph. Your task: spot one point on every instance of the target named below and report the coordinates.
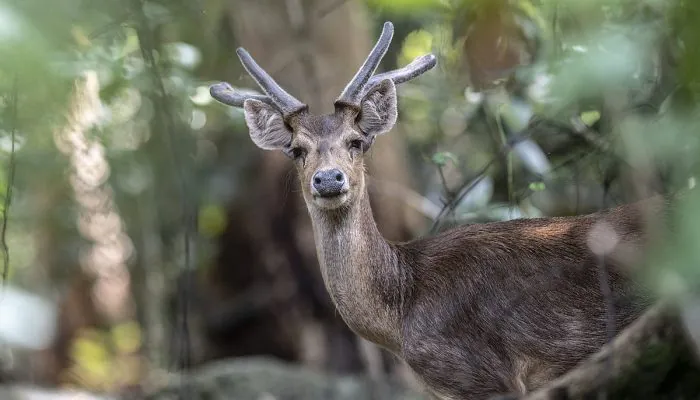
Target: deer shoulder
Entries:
(508, 306)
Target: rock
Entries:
(258, 378)
(22, 392)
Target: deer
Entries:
(475, 311)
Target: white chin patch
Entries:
(330, 203)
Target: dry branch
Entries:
(651, 359)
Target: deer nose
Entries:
(329, 183)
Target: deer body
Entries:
(480, 309)
(475, 311)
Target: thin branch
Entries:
(471, 183)
(466, 189)
(445, 187)
(579, 128)
(166, 121)
(10, 184)
(509, 163)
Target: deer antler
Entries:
(363, 81)
(226, 94)
(275, 95)
(352, 94)
(361, 84)
(417, 67)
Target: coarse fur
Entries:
(479, 309)
(475, 311)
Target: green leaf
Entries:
(536, 186)
(404, 6)
(590, 117)
(212, 220)
(416, 44)
(443, 157)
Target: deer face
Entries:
(327, 150)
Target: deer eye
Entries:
(356, 144)
(297, 152)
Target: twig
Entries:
(582, 130)
(471, 183)
(509, 163)
(445, 187)
(451, 205)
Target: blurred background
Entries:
(143, 233)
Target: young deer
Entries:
(475, 311)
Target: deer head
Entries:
(327, 149)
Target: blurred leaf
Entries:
(156, 13)
(127, 337)
(442, 158)
(614, 58)
(405, 6)
(91, 357)
(212, 220)
(81, 37)
(201, 96)
(516, 114)
(536, 186)
(494, 42)
(10, 24)
(131, 44)
(416, 44)
(590, 117)
(184, 54)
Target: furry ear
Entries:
(266, 126)
(379, 110)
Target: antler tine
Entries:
(352, 94)
(226, 94)
(415, 68)
(286, 103)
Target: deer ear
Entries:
(266, 125)
(379, 111)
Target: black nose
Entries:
(330, 182)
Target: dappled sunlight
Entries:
(105, 259)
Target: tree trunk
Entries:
(312, 48)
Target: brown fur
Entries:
(477, 310)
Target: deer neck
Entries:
(361, 271)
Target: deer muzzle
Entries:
(329, 183)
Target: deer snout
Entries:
(329, 183)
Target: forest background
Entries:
(143, 232)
